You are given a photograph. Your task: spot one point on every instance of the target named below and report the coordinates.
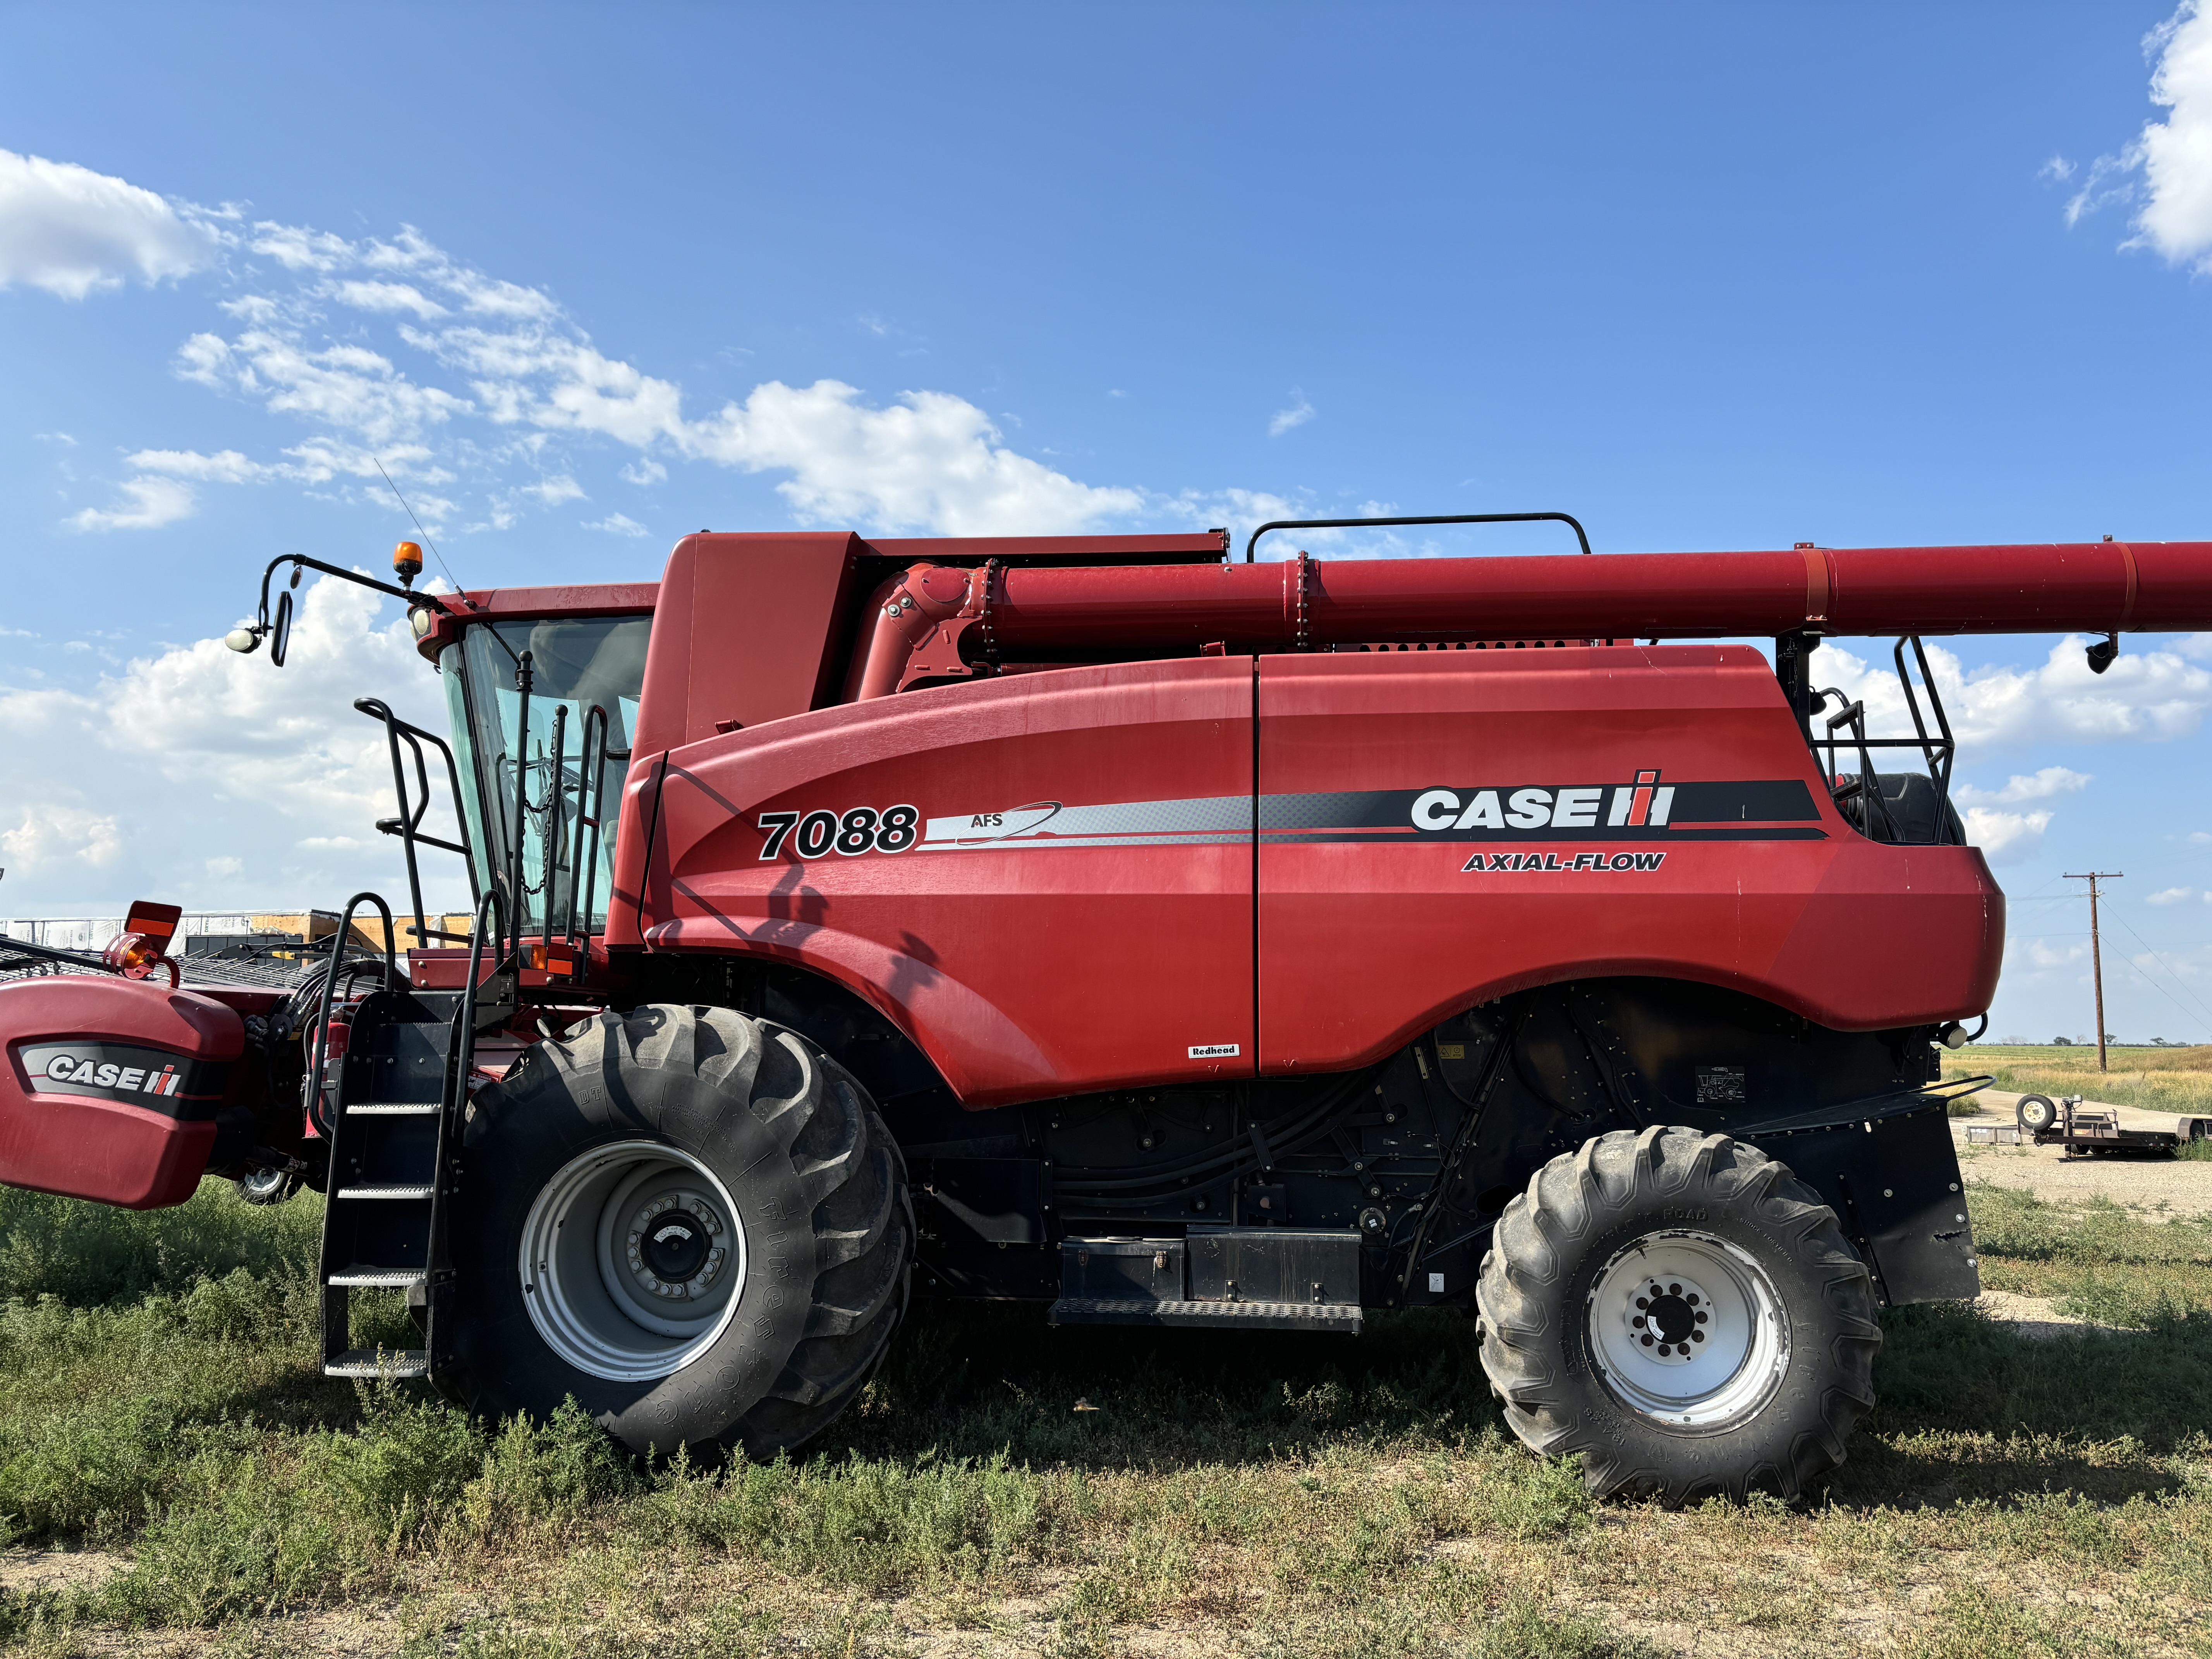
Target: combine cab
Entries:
(1168, 941)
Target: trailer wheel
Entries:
(2035, 1113)
(693, 1222)
(1682, 1311)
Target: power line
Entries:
(2164, 964)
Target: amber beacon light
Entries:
(407, 559)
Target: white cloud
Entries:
(2173, 156)
(555, 490)
(348, 386)
(1297, 414)
(298, 248)
(2058, 169)
(2172, 896)
(2006, 837)
(47, 835)
(387, 297)
(644, 473)
(2050, 781)
(619, 523)
(147, 503)
(72, 231)
(932, 461)
(215, 779)
(2177, 153)
(225, 466)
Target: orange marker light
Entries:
(407, 559)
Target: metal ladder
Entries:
(396, 1108)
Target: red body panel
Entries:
(136, 1139)
(1104, 937)
(1054, 964)
(1371, 938)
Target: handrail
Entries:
(518, 894)
(1448, 518)
(407, 825)
(591, 787)
(320, 1053)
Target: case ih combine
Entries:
(1177, 941)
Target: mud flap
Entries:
(109, 1087)
(1892, 1178)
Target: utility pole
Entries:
(2096, 948)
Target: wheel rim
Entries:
(1689, 1329)
(2037, 1113)
(633, 1261)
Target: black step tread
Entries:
(1266, 1315)
(394, 1108)
(371, 1362)
(363, 1278)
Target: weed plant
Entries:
(160, 1407)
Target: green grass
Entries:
(1289, 1496)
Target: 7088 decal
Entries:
(855, 830)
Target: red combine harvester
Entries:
(1103, 922)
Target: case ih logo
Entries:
(171, 1084)
(1645, 804)
(113, 1074)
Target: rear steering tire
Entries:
(694, 1222)
(1682, 1311)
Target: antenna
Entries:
(425, 534)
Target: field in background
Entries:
(1004, 1487)
(2176, 1080)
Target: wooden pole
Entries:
(2096, 950)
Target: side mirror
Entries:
(280, 631)
(2102, 654)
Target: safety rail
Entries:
(319, 1058)
(1847, 727)
(408, 825)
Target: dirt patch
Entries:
(2035, 1317)
(26, 1571)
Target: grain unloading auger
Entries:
(1168, 941)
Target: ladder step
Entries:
(402, 1193)
(365, 1278)
(394, 1108)
(368, 1362)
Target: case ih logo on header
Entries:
(171, 1084)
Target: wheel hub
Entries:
(1668, 1320)
(633, 1261)
(1687, 1328)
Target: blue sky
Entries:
(586, 280)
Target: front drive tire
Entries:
(1682, 1311)
(694, 1222)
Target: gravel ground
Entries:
(2155, 1184)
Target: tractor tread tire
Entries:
(1551, 1240)
(822, 1192)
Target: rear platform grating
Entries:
(1239, 1316)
